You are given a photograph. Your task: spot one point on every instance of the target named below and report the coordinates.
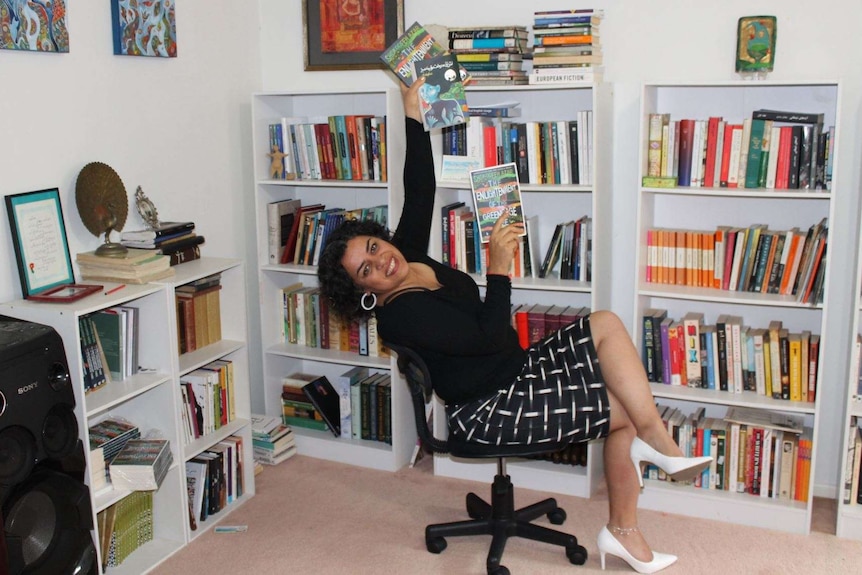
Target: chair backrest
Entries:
(421, 392)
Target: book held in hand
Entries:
(496, 190)
(442, 100)
(416, 43)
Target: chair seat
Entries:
(474, 450)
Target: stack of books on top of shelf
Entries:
(492, 55)
(141, 465)
(566, 47)
(125, 526)
(198, 313)
(273, 441)
(136, 266)
(107, 438)
(177, 240)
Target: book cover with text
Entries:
(442, 100)
(496, 190)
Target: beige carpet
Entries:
(317, 517)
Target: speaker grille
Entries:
(33, 518)
(17, 454)
(60, 432)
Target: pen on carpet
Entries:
(112, 290)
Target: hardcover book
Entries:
(496, 190)
(326, 401)
(442, 100)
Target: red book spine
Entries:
(489, 141)
(711, 142)
(782, 171)
(724, 170)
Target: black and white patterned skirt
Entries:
(559, 396)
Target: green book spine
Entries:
(755, 153)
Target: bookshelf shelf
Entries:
(705, 209)
(281, 358)
(151, 398)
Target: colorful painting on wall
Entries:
(34, 25)
(144, 28)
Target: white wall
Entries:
(177, 127)
(664, 40)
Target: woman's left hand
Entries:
(502, 245)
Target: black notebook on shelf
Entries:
(325, 399)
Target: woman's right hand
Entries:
(411, 99)
(502, 246)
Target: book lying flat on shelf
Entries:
(763, 418)
(496, 190)
(442, 100)
(162, 230)
(141, 465)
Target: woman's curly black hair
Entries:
(336, 285)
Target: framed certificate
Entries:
(41, 248)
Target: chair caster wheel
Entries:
(577, 555)
(499, 570)
(435, 544)
(557, 516)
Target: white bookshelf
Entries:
(279, 357)
(546, 205)
(151, 400)
(705, 208)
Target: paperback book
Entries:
(442, 100)
(496, 190)
(415, 44)
(141, 465)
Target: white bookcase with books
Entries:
(281, 357)
(545, 206)
(706, 209)
(849, 514)
(150, 399)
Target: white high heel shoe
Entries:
(679, 468)
(608, 544)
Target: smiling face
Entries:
(375, 265)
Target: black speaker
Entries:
(46, 513)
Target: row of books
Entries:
(498, 42)
(572, 247)
(109, 345)
(730, 356)
(124, 527)
(533, 322)
(758, 452)
(176, 240)
(852, 494)
(342, 147)
(273, 441)
(136, 266)
(752, 259)
(198, 313)
(307, 322)
(106, 439)
(297, 233)
(362, 410)
(566, 46)
(214, 479)
(772, 149)
(462, 245)
(209, 401)
(558, 152)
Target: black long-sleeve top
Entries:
(468, 344)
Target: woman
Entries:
(493, 389)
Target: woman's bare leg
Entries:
(626, 379)
(621, 478)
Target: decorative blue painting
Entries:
(35, 25)
(144, 28)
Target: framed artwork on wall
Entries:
(34, 25)
(144, 28)
(349, 34)
(41, 248)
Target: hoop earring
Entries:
(363, 305)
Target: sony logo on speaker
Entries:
(24, 389)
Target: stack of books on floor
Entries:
(198, 313)
(107, 438)
(566, 47)
(176, 240)
(273, 441)
(125, 526)
(134, 267)
(141, 465)
(492, 55)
